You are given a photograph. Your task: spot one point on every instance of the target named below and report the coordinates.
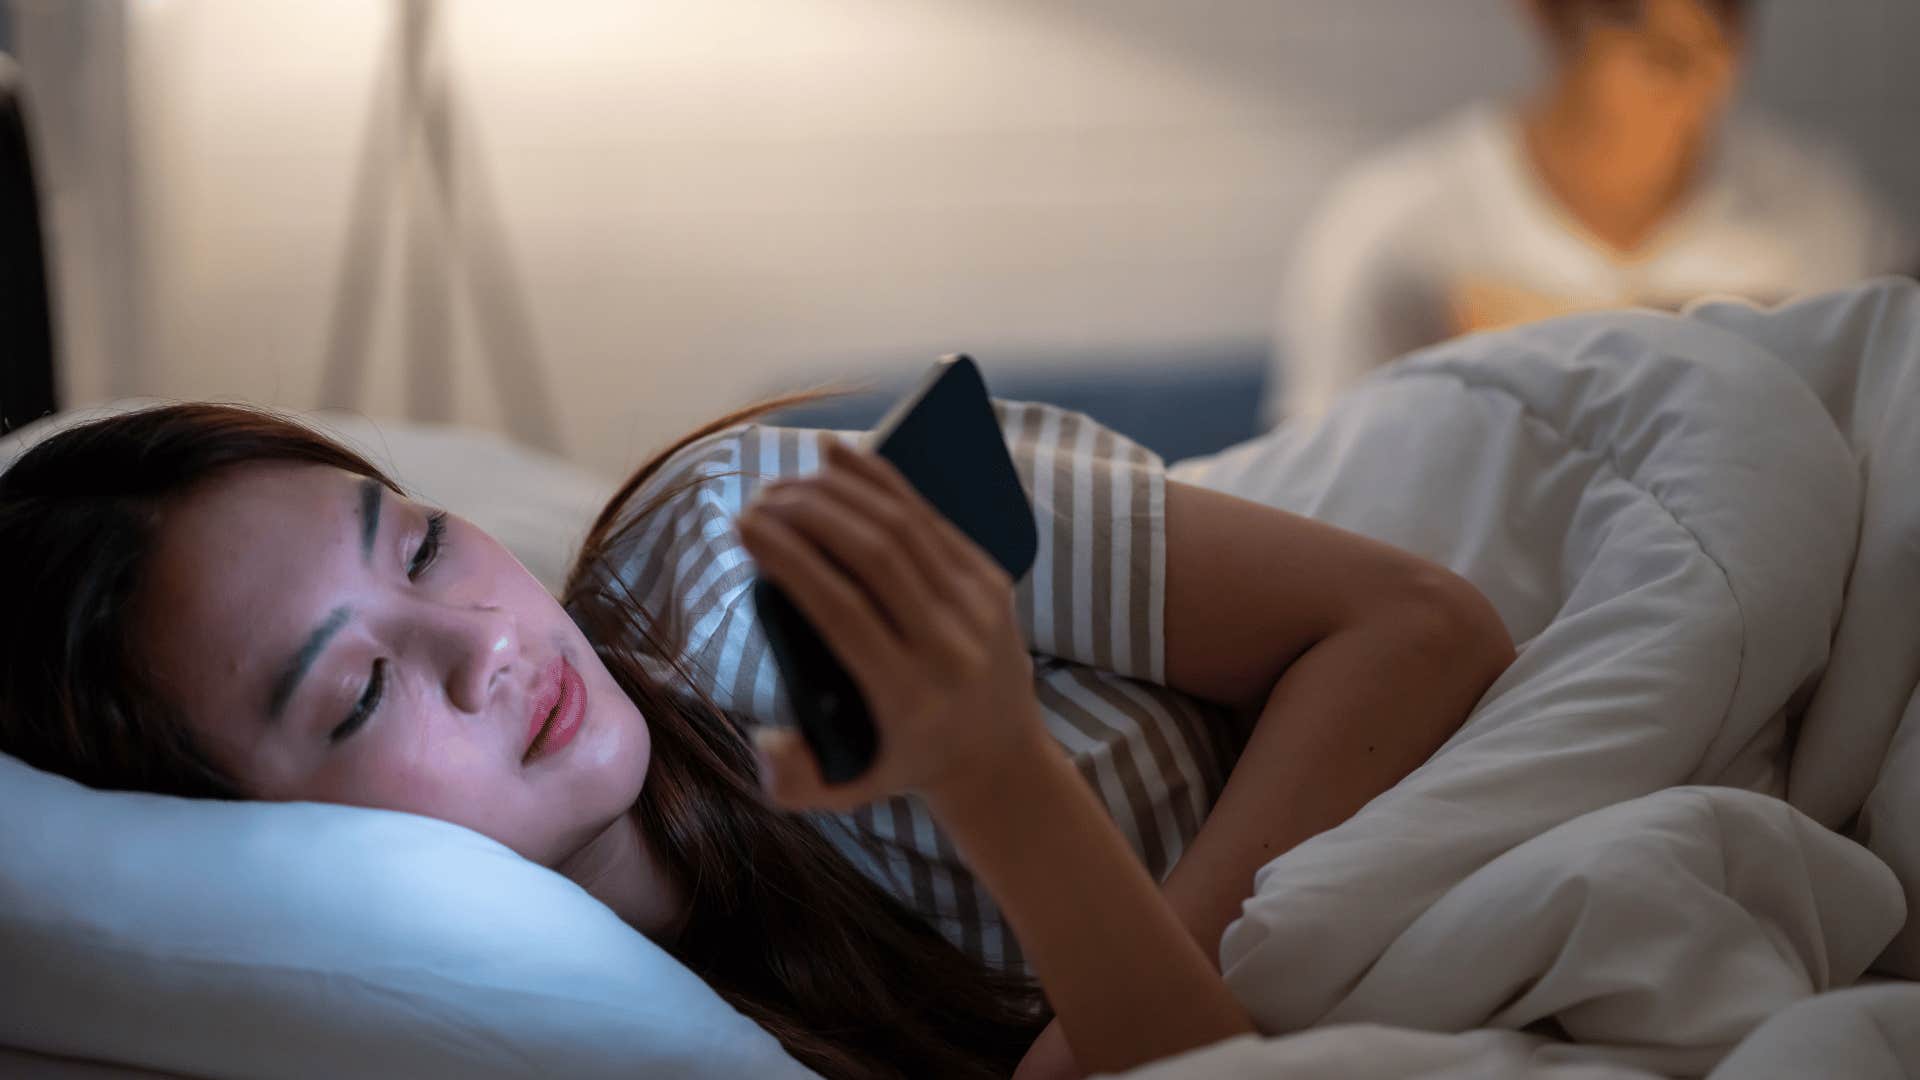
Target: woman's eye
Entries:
(430, 545)
(369, 701)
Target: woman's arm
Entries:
(1360, 660)
(1356, 658)
(1125, 978)
(925, 624)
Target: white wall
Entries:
(706, 198)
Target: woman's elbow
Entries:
(1450, 616)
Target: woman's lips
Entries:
(557, 710)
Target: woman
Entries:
(217, 602)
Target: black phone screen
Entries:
(944, 438)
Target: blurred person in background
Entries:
(1619, 182)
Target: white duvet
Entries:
(1597, 876)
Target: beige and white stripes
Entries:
(1092, 608)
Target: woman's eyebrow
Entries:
(370, 500)
(296, 666)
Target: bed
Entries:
(1680, 837)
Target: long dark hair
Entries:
(1565, 18)
(849, 979)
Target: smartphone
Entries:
(944, 438)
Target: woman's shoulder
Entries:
(1093, 594)
(728, 464)
(721, 469)
(1031, 427)
(671, 550)
(666, 511)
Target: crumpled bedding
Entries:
(1597, 875)
(1686, 933)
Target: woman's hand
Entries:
(921, 618)
(924, 623)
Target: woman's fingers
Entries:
(962, 559)
(905, 516)
(922, 619)
(838, 610)
(880, 472)
(872, 537)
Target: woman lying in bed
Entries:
(216, 602)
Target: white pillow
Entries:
(306, 940)
(298, 939)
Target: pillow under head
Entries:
(307, 940)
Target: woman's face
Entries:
(331, 643)
(1672, 71)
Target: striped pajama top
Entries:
(1092, 610)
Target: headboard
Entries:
(26, 325)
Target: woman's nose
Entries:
(481, 645)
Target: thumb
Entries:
(791, 777)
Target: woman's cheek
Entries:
(390, 769)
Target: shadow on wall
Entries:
(26, 336)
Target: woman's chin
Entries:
(625, 755)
